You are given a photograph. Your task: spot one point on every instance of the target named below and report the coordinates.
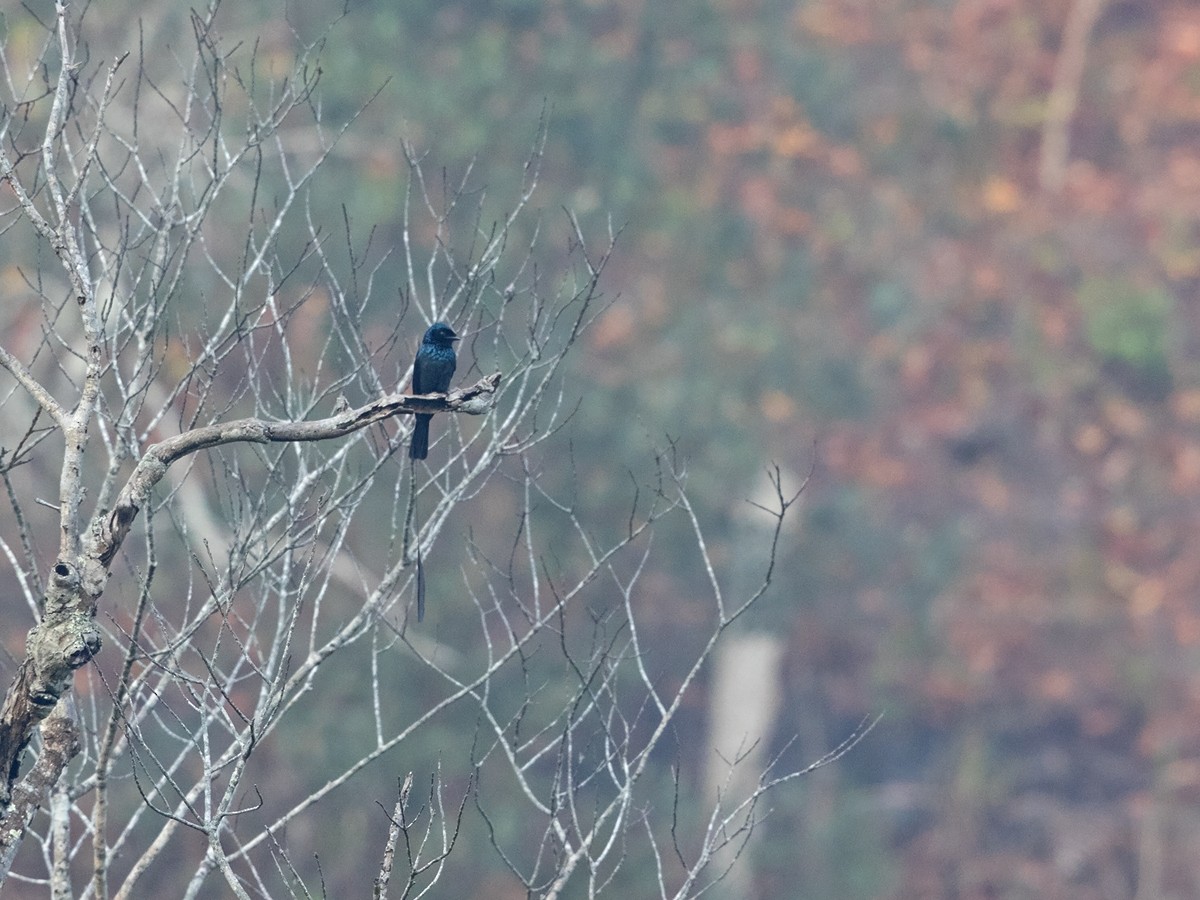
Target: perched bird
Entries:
(432, 370)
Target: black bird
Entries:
(432, 370)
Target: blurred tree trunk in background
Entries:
(744, 701)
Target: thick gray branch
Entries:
(109, 528)
(66, 637)
(60, 742)
(35, 388)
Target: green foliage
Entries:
(1127, 322)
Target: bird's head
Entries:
(441, 334)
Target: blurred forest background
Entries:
(945, 249)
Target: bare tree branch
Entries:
(246, 534)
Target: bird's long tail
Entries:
(419, 448)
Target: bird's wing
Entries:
(418, 375)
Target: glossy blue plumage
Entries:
(433, 368)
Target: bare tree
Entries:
(180, 347)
